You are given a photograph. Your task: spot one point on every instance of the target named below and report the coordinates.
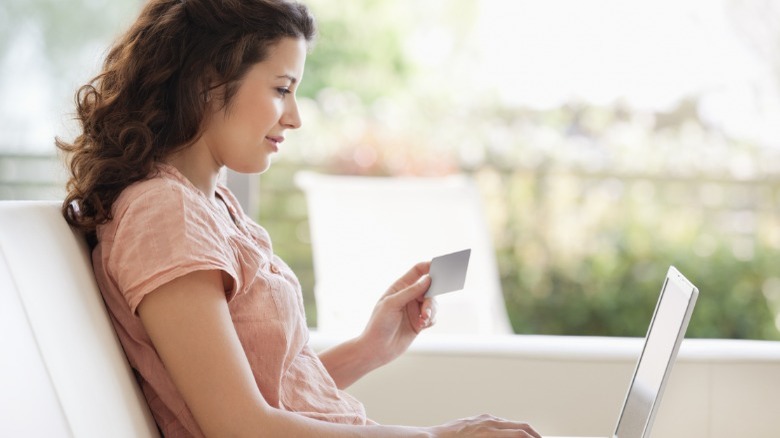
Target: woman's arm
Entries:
(189, 324)
(397, 319)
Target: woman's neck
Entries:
(198, 167)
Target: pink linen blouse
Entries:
(163, 228)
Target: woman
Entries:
(211, 320)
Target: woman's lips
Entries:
(275, 141)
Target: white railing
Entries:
(31, 176)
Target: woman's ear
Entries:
(213, 87)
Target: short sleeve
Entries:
(162, 232)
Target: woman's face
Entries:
(244, 134)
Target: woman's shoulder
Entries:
(163, 186)
(161, 198)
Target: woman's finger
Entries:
(409, 278)
(429, 307)
(409, 293)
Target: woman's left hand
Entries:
(399, 316)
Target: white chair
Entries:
(367, 231)
(62, 369)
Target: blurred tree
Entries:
(63, 29)
(354, 53)
(366, 47)
(604, 277)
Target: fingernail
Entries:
(428, 314)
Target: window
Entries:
(609, 139)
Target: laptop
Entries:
(666, 332)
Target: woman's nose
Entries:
(292, 117)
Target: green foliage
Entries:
(351, 53)
(604, 275)
(616, 297)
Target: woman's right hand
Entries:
(484, 426)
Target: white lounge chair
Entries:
(63, 372)
(367, 231)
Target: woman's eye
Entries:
(283, 91)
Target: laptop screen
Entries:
(666, 331)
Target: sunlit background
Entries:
(609, 138)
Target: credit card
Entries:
(448, 272)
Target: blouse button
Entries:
(274, 269)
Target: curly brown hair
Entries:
(150, 98)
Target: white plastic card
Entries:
(448, 272)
